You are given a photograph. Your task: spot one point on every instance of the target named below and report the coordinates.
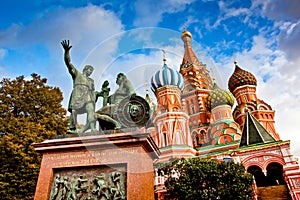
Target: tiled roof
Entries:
(254, 132)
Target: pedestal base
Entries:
(94, 167)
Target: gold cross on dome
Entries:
(164, 56)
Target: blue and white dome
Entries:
(166, 76)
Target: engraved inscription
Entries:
(88, 158)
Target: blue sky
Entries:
(127, 36)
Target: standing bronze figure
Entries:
(82, 98)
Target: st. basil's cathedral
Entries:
(194, 117)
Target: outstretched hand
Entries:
(66, 45)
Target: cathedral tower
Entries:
(171, 122)
(242, 84)
(198, 84)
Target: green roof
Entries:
(254, 132)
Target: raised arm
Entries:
(66, 45)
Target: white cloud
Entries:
(288, 39)
(291, 28)
(286, 17)
(236, 12)
(226, 12)
(279, 9)
(149, 13)
(190, 20)
(87, 25)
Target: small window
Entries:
(165, 139)
(193, 109)
(219, 115)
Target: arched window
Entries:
(193, 109)
(179, 139)
(266, 116)
(275, 174)
(195, 139)
(203, 136)
(259, 176)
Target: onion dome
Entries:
(166, 76)
(186, 33)
(240, 77)
(218, 97)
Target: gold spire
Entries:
(164, 56)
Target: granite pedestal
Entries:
(97, 167)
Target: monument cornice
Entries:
(101, 141)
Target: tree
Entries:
(197, 178)
(30, 111)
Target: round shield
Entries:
(132, 111)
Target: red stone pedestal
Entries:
(131, 152)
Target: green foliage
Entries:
(30, 112)
(197, 178)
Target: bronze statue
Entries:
(125, 89)
(125, 108)
(106, 115)
(121, 109)
(82, 98)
